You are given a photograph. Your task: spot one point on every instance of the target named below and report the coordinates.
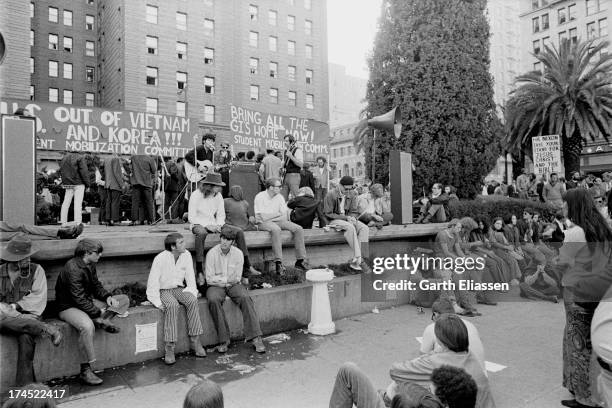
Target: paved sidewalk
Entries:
(523, 336)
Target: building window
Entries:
(253, 65)
(535, 23)
(571, 12)
(209, 113)
(291, 72)
(209, 27)
(291, 23)
(151, 14)
(534, 4)
(253, 12)
(181, 80)
(89, 22)
(292, 97)
(309, 51)
(209, 85)
(68, 44)
(573, 35)
(53, 95)
(90, 74)
(561, 16)
(591, 31)
(181, 21)
(151, 45)
(67, 97)
(53, 14)
(272, 43)
(273, 95)
(254, 92)
(309, 101)
(562, 36)
(536, 66)
(151, 105)
(308, 27)
(272, 16)
(53, 40)
(31, 65)
(89, 99)
(307, 4)
(273, 70)
(603, 27)
(291, 47)
(67, 70)
(545, 22)
(253, 38)
(209, 56)
(181, 50)
(31, 92)
(53, 69)
(31, 38)
(545, 42)
(180, 109)
(536, 47)
(309, 75)
(68, 18)
(90, 49)
(31, 10)
(152, 76)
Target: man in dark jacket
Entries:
(433, 208)
(307, 178)
(75, 178)
(144, 170)
(83, 302)
(304, 207)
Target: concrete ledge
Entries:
(279, 309)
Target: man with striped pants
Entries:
(172, 282)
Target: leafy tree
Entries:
(431, 57)
(571, 97)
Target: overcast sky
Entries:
(351, 26)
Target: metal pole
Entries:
(373, 156)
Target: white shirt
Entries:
(206, 211)
(266, 206)
(224, 270)
(601, 328)
(429, 344)
(168, 274)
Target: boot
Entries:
(70, 232)
(55, 334)
(88, 377)
(280, 268)
(169, 357)
(196, 346)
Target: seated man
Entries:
(224, 276)
(10, 229)
(374, 208)
(433, 208)
(340, 208)
(527, 231)
(83, 302)
(23, 298)
(536, 283)
(304, 208)
(271, 215)
(172, 282)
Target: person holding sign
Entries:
(553, 192)
(292, 165)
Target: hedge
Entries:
(492, 207)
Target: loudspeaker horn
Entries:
(2, 48)
(390, 121)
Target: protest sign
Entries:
(546, 154)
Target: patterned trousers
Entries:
(171, 299)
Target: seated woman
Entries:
(375, 208)
(304, 208)
(451, 192)
(504, 249)
(498, 269)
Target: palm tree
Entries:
(571, 97)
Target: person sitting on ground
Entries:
(538, 226)
(85, 304)
(505, 250)
(539, 283)
(513, 234)
(23, 298)
(224, 276)
(433, 208)
(454, 387)
(172, 283)
(374, 208)
(304, 208)
(497, 268)
(526, 233)
(205, 394)
(8, 230)
(451, 192)
(271, 215)
(340, 209)
(430, 344)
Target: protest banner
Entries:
(546, 154)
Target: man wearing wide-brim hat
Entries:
(23, 298)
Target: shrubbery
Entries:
(498, 206)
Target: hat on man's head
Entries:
(214, 179)
(347, 181)
(18, 248)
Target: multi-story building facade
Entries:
(191, 58)
(346, 96)
(344, 157)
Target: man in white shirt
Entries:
(206, 213)
(224, 276)
(270, 166)
(271, 215)
(172, 281)
(292, 165)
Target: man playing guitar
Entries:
(292, 165)
(194, 158)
